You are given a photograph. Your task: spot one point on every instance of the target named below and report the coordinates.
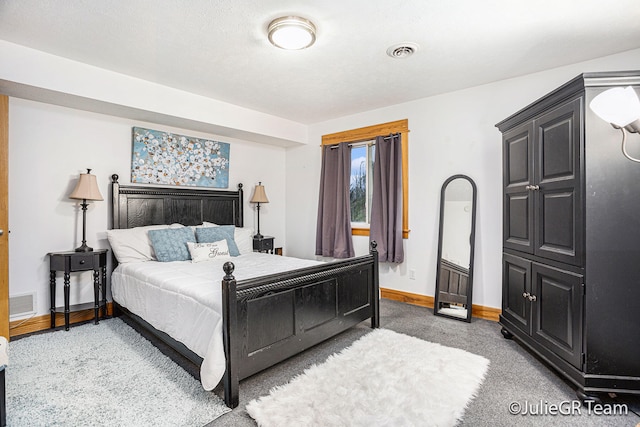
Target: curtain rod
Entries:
(351, 144)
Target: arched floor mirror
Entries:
(454, 279)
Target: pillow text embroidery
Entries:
(214, 251)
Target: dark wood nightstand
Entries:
(263, 244)
(69, 262)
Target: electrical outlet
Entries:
(412, 274)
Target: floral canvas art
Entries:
(167, 158)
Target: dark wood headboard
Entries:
(136, 206)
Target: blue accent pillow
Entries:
(170, 244)
(215, 234)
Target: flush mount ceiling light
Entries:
(292, 33)
(402, 50)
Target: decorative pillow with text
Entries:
(208, 251)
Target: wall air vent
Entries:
(402, 50)
(22, 305)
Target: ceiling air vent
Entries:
(402, 50)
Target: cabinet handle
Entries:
(532, 187)
(81, 261)
(529, 296)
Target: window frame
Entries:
(368, 133)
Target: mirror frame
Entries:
(472, 240)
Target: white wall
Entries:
(50, 145)
(449, 134)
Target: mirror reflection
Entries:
(455, 248)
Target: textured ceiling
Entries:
(219, 49)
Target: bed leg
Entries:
(375, 288)
(231, 392)
(116, 311)
(230, 381)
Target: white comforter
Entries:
(184, 300)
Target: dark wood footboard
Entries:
(271, 318)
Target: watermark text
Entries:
(567, 407)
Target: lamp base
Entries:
(84, 248)
(258, 236)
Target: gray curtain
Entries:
(386, 206)
(333, 232)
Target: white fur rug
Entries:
(383, 379)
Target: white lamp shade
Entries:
(86, 188)
(292, 32)
(618, 106)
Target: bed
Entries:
(266, 317)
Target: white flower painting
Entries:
(166, 158)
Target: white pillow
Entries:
(204, 224)
(208, 251)
(133, 244)
(244, 240)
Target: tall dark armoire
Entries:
(571, 237)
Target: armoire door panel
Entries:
(557, 316)
(558, 218)
(516, 282)
(518, 227)
(517, 202)
(557, 229)
(557, 144)
(517, 151)
(557, 154)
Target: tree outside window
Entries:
(362, 156)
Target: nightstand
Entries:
(263, 244)
(69, 262)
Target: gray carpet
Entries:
(514, 374)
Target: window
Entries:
(360, 137)
(362, 157)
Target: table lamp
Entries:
(259, 196)
(86, 189)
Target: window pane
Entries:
(372, 156)
(358, 187)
